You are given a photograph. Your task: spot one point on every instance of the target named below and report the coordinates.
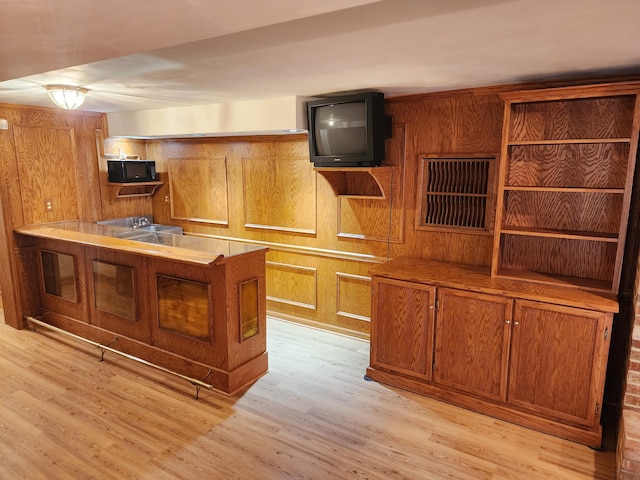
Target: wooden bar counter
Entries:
(194, 305)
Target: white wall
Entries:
(270, 116)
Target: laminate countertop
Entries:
(182, 248)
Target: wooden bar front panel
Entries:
(117, 279)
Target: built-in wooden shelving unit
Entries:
(565, 184)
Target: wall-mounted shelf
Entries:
(128, 190)
(358, 182)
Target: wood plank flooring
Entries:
(65, 415)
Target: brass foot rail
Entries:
(194, 381)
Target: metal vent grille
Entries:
(455, 192)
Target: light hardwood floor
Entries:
(65, 415)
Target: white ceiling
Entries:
(143, 54)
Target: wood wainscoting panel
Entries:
(292, 285)
(279, 194)
(353, 297)
(199, 189)
(46, 163)
(381, 219)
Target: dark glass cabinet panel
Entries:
(59, 274)
(183, 307)
(114, 289)
(249, 309)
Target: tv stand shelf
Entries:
(358, 182)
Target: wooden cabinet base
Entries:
(534, 355)
(590, 437)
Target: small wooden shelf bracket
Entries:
(358, 182)
(128, 190)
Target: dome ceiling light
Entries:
(67, 96)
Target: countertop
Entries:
(479, 279)
(184, 248)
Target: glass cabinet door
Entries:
(183, 307)
(59, 274)
(114, 289)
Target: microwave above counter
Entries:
(131, 171)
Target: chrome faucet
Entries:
(140, 222)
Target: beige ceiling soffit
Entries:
(270, 116)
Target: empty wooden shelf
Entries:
(565, 184)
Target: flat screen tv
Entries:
(347, 131)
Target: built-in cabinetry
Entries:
(194, 306)
(565, 184)
(527, 339)
(532, 354)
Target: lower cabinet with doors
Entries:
(530, 354)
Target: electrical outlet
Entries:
(48, 206)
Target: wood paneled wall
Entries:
(264, 189)
(261, 189)
(47, 157)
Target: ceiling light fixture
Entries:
(66, 96)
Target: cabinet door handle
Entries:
(508, 322)
(516, 323)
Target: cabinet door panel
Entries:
(402, 327)
(472, 341)
(557, 359)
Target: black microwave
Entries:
(125, 171)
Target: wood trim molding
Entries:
(200, 203)
(341, 276)
(308, 271)
(291, 187)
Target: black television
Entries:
(347, 130)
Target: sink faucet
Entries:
(140, 222)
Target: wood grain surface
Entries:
(66, 415)
(602, 118)
(477, 279)
(46, 176)
(402, 327)
(550, 350)
(565, 184)
(472, 342)
(279, 194)
(588, 165)
(198, 189)
(568, 211)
